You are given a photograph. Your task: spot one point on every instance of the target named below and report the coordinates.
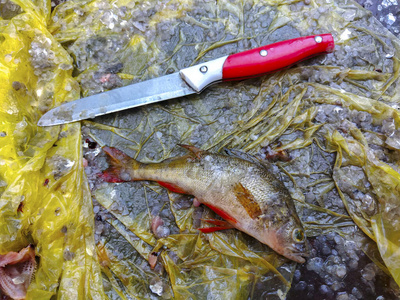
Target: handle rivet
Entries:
(263, 52)
(203, 69)
(318, 39)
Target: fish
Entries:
(244, 192)
(17, 270)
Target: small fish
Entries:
(16, 272)
(243, 192)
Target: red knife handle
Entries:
(256, 62)
(273, 57)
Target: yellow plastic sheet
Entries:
(45, 198)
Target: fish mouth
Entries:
(294, 254)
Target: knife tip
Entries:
(41, 123)
(45, 122)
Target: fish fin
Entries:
(230, 152)
(112, 175)
(213, 229)
(196, 151)
(251, 158)
(247, 200)
(172, 187)
(116, 155)
(221, 213)
(220, 223)
(119, 162)
(240, 154)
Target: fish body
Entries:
(244, 193)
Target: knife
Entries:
(247, 64)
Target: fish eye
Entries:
(298, 235)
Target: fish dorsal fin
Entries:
(251, 158)
(247, 200)
(194, 150)
(242, 155)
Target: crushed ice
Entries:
(390, 19)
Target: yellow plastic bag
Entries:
(44, 193)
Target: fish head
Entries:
(288, 239)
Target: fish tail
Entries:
(121, 166)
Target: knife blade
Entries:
(242, 65)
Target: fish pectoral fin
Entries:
(196, 151)
(221, 225)
(247, 200)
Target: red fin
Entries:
(221, 225)
(120, 163)
(218, 222)
(221, 213)
(213, 229)
(117, 156)
(111, 175)
(196, 151)
(172, 187)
